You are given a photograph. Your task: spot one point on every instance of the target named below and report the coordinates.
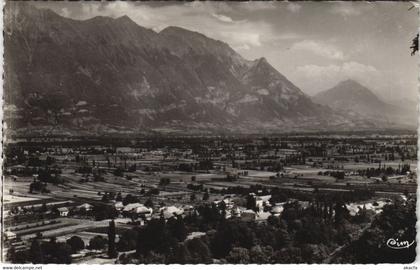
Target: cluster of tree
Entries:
(398, 222)
(97, 243)
(76, 244)
(267, 165)
(296, 239)
(206, 164)
(300, 235)
(186, 167)
(103, 211)
(119, 172)
(38, 186)
(34, 161)
(284, 195)
(26, 171)
(160, 236)
(336, 174)
(86, 169)
(108, 196)
(387, 171)
(128, 240)
(198, 187)
(153, 191)
(50, 175)
(13, 155)
(164, 181)
(132, 168)
(207, 216)
(194, 251)
(191, 167)
(130, 199)
(240, 190)
(42, 252)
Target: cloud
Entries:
(354, 68)
(252, 39)
(293, 7)
(327, 76)
(243, 47)
(65, 12)
(222, 18)
(210, 19)
(256, 5)
(315, 71)
(346, 70)
(318, 48)
(345, 9)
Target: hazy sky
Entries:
(314, 44)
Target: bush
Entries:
(97, 242)
(76, 244)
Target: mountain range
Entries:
(105, 74)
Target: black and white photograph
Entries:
(184, 133)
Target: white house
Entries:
(262, 216)
(9, 235)
(262, 201)
(228, 203)
(138, 208)
(170, 211)
(277, 210)
(236, 212)
(64, 211)
(87, 207)
(119, 206)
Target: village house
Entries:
(262, 201)
(277, 210)
(119, 206)
(9, 236)
(262, 216)
(188, 209)
(227, 201)
(138, 209)
(63, 211)
(248, 215)
(170, 211)
(86, 207)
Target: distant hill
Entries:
(105, 74)
(352, 97)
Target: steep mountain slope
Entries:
(354, 98)
(102, 73)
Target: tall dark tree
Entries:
(251, 202)
(149, 203)
(112, 253)
(176, 227)
(11, 255)
(35, 252)
(155, 237)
